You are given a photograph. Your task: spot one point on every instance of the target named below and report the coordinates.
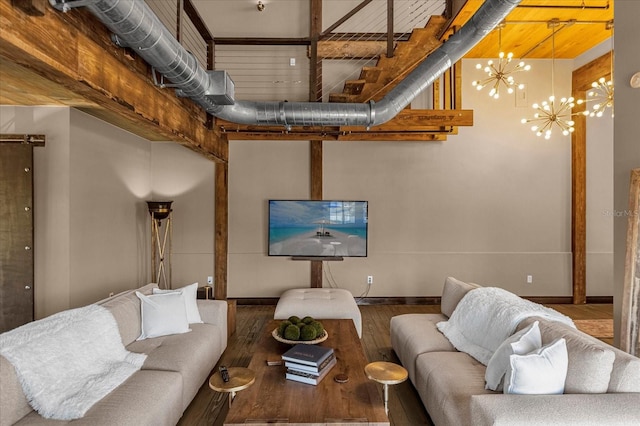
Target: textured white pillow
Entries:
(190, 296)
(523, 342)
(541, 372)
(162, 314)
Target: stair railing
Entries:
(381, 23)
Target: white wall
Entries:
(91, 184)
(490, 205)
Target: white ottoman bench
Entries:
(319, 303)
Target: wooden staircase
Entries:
(375, 82)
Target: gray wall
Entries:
(490, 205)
(91, 220)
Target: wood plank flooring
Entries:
(405, 408)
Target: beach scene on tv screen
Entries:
(318, 228)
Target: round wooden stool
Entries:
(239, 378)
(386, 373)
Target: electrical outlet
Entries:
(111, 294)
(529, 279)
(370, 279)
(209, 279)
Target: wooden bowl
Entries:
(279, 338)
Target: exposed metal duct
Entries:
(136, 26)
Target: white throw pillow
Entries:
(541, 372)
(162, 314)
(520, 343)
(190, 300)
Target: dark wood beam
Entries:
(346, 137)
(31, 7)
(409, 122)
(262, 41)
(197, 21)
(316, 167)
(580, 83)
(346, 17)
(389, 28)
(73, 51)
(316, 178)
(315, 146)
(351, 49)
(221, 238)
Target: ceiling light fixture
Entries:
(260, 6)
(601, 96)
(551, 112)
(500, 73)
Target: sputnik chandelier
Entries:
(500, 73)
(601, 95)
(601, 98)
(552, 112)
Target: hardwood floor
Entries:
(405, 408)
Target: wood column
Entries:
(316, 194)
(315, 147)
(221, 242)
(580, 83)
(221, 238)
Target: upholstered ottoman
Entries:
(320, 303)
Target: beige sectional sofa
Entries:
(175, 368)
(602, 383)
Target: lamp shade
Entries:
(159, 209)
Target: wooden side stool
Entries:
(386, 373)
(239, 378)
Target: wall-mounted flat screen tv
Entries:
(313, 228)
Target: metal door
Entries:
(16, 234)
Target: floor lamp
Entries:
(160, 242)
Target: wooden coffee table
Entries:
(274, 399)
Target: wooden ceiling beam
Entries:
(74, 51)
(436, 135)
(408, 121)
(354, 49)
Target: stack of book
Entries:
(308, 363)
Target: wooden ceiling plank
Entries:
(527, 25)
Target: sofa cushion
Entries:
(545, 410)
(14, 404)
(125, 308)
(145, 398)
(453, 291)
(445, 382)
(541, 372)
(414, 334)
(625, 375)
(192, 354)
(163, 314)
(190, 300)
(520, 343)
(590, 360)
